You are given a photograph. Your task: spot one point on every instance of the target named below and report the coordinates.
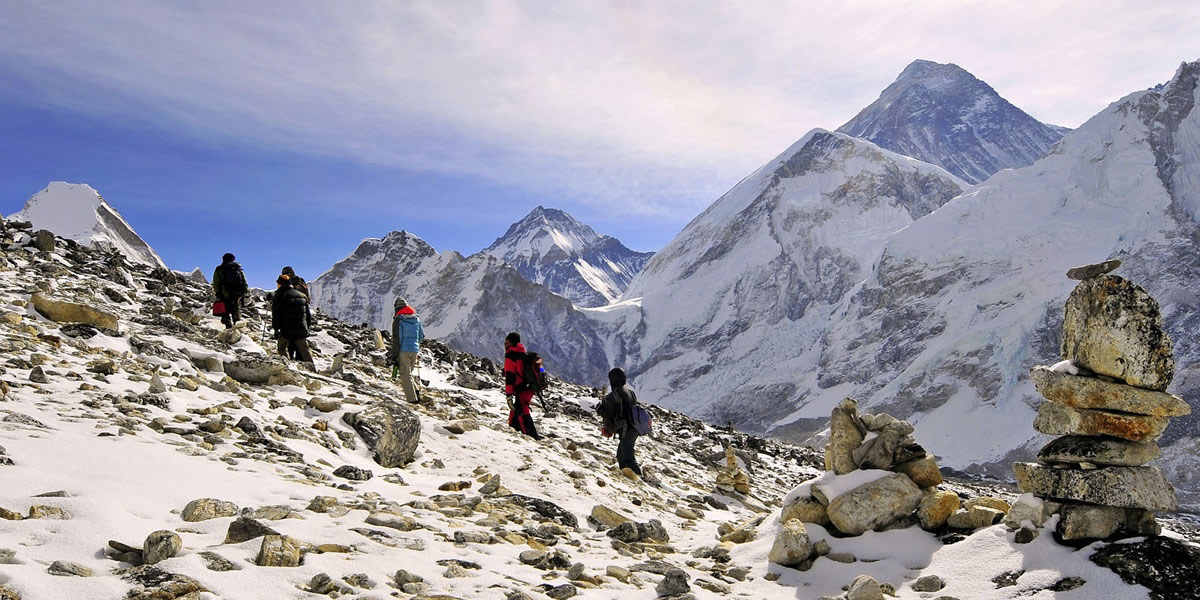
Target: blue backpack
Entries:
(642, 422)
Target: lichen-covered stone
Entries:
(1092, 392)
(203, 509)
(806, 509)
(1059, 419)
(1098, 450)
(278, 551)
(1089, 521)
(1129, 487)
(845, 434)
(874, 504)
(935, 508)
(923, 471)
(72, 312)
(1115, 328)
(791, 546)
(390, 430)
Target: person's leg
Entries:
(301, 347)
(227, 316)
(529, 428)
(234, 310)
(282, 345)
(625, 456)
(407, 361)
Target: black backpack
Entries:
(533, 373)
(233, 281)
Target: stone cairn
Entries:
(1106, 400)
(732, 478)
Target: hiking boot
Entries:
(627, 472)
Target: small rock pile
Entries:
(1106, 400)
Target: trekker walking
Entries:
(406, 346)
(616, 409)
(289, 319)
(229, 284)
(519, 417)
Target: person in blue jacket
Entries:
(406, 346)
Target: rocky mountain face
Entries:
(243, 475)
(941, 114)
(76, 211)
(469, 303)
(726, 319)
(551, 248)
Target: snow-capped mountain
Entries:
(550, 247)
(725, 320)
(941, 114)
(76, 211)
(469, 303)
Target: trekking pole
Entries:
(395, 372)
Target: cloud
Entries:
(653, 107)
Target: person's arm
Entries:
(394, 344)
(216, 281)
(276, 312)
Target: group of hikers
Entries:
(524, 375)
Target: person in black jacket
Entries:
(617, 411)
(229, 285)
(289, 319)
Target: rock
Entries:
(103, 367)
(976, 517)
(560, 592)
(1128, 487)
(244, 528)
(44, 240)
(69, 569)
(152, 583)
(491, 487)
(216, 562)
(321, 583)
(160, 545)
(1059, 419)
(156, 385)
(928, 583)
(397, 522)
(260, 371)
(846, 432)
(1095, 393)
(353, 473)
(454, 486)
(1169, 567)
(805, 509)
(10, 515)
(1027, 508)
(42, 511)
(8, 594)
(38, 375)
(875, 504)
(323, 404)
(544, 508)
(248, 427)
(988, 501)
(606, 517)
(390, 430)
(228, 337)
(1115, 328)
(675, 582)
(203, 509)
(1088, 521)
(278, 551)
(1074, 449)
(402, 577)
(791, 546)
(1025, 535)
(70, 312)
(864, 587)
(923, 471)
(1094, 270)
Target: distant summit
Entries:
(941, 114)
(78, 212)
(550, 247)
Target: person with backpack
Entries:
(229, 284)
(622, 417)
(289, 319)
(405, 349)
(518, 384)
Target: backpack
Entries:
(300, 285)
(533, 374)
(642, 421)
(233, 281)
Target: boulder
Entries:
(152, 583)
(44, 240)
(263, 370)
(278, 551)
(203, 509)
(1115, 328)
(1027, 508)
(988, 501)
(1092, 392)
(70, 312)
(1169, 567)
(1129, 487)
(864, 587)
(674, 583)
(606, 517)
(390, 430)
(875, 504)
(160, 545)
(805, 509)
(1076, 449)
(1059, 419)
(846, 432)
(923, 471)
(791, 546)
(1089, 521)
(976, 517)
(244, 528)
(935, 508)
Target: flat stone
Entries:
(203, 509)
(935, 508)
(805, 509)
(71, 312)
(244, 528)
(874, 504)
(1128, 487)
(1076, 449)
(1115, 328)
(1092, 392)
(922, 471)
(69, 569)
(152, 583)
(792, 545)
(607, 517)
(1089, 521)
(1090, 271)
(975, 517)
(1059, 419)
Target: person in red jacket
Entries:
(519, 417)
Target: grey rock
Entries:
(390, 430)
(69, 569)
(324, 404)
(321, 583)
(245, 528)
(846, 432)
(560, 592)
(71, 312)
(1128, 487)
(1075, 449)
(864, 587)
(1088, 521)
(152, 583)
(1115, 328)
(1094, 270)
(873, 505)
(397, 522)
(976, 517)
(278, 551)
(1025, 535)
(1092, 392)
(156, 385)
(402, 577)
(216, 562)
(928, 583)
(1149, 562)
(44, 240)
(1059, 419)
(353, 473)
(203, 509)
(260, 371)
(160, 545)
(38, 375)
(792, 545)
(673, 583)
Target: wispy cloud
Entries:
(654, 107)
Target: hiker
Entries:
(297, 281)
(519, 417)
(229, 284)
(299, 285)
(616, 410)
(406, 346)
(289, 319)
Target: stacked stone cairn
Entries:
(1106, 400)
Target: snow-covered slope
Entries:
(469, 303)
(724, 321)
(943, 115)
(962, 302)
(76, 211)
(550, 247)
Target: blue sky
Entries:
(286, 132)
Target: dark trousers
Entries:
(625, 456)
(297, 349)
(232, 312)
(523, 421)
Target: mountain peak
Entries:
(78, 212)
(942, 114)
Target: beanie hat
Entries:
(513, 338)
(284, 280)
(399, 303)
(288, 271)
(616, 377)
(227, 257)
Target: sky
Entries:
(286, 132)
